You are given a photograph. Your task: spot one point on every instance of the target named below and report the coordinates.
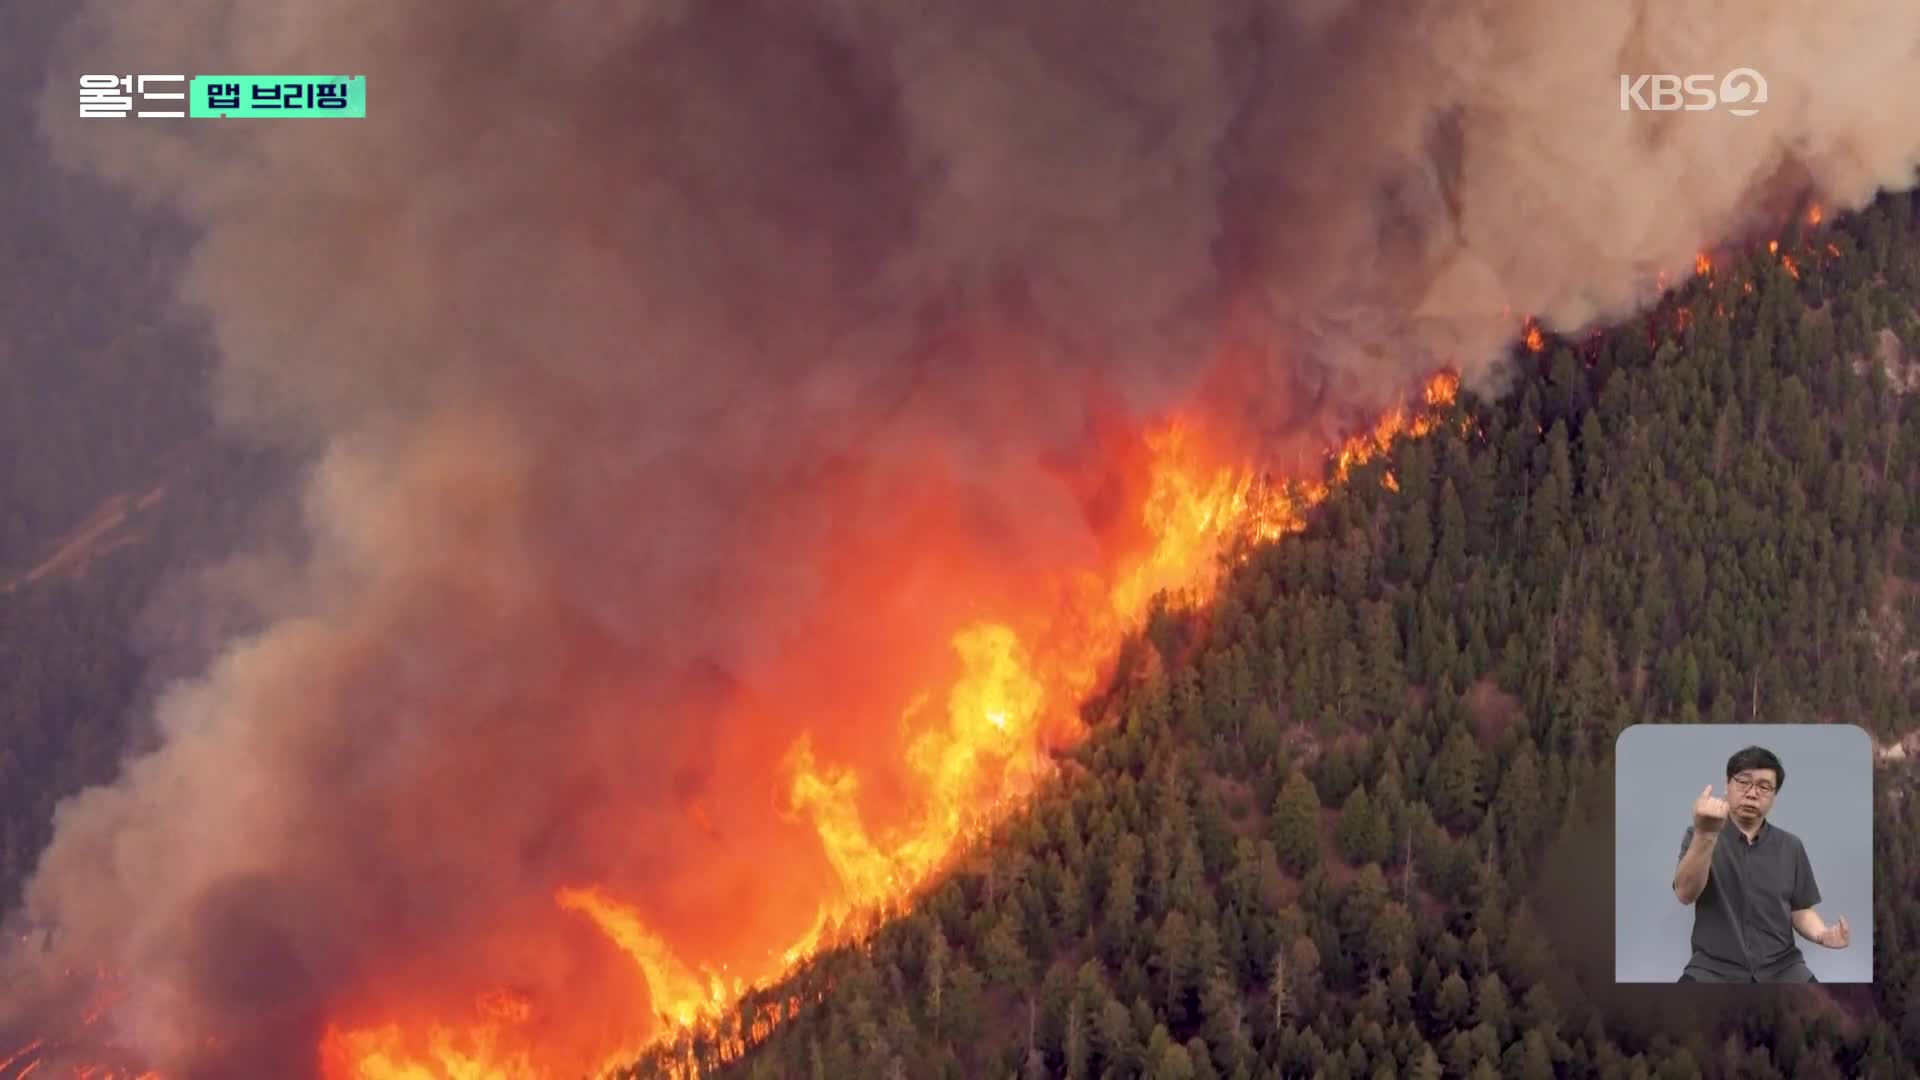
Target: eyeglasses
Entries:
(1745, 784)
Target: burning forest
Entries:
(740, 440)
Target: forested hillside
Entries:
(1353, 819)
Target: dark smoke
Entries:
(626, 328)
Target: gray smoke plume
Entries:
(633, 336)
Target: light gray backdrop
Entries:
(1827, 801)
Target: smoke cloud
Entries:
(677, 374)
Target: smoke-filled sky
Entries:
(665, 358)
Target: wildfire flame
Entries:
(978, 747)
(679, 995)
(388, 1052)
(1813, 214)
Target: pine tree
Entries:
(1491, 1005)
(963, 1001)
(1005, 957)
(1455, 787)
(1389, 938)
(1400, 992)
(1453, 999)
(1589, 694)
(1069, 905)
(1079, 1050)
(1416, 543)
(1296, 825)
(1121, 907)
(1519, 805)
(1172, 959)
(1385, 676)
(1303, 976)
(937, 956)
(1450, 553)
(1363, 832)
(1425, 1065)
(1118, 1040)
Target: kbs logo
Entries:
(1742, 91)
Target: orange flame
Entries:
(1535, 340)
(1813, 214)
(678, 994)
(1702, 265)
(390, 1052)
(976, 748)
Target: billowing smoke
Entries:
(667, 360)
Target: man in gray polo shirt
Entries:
(1751, 886)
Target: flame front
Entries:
(479, 1051)
(975, 745)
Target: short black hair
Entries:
(1757, 757)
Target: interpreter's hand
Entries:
(1709, 812)
(1836, 935)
